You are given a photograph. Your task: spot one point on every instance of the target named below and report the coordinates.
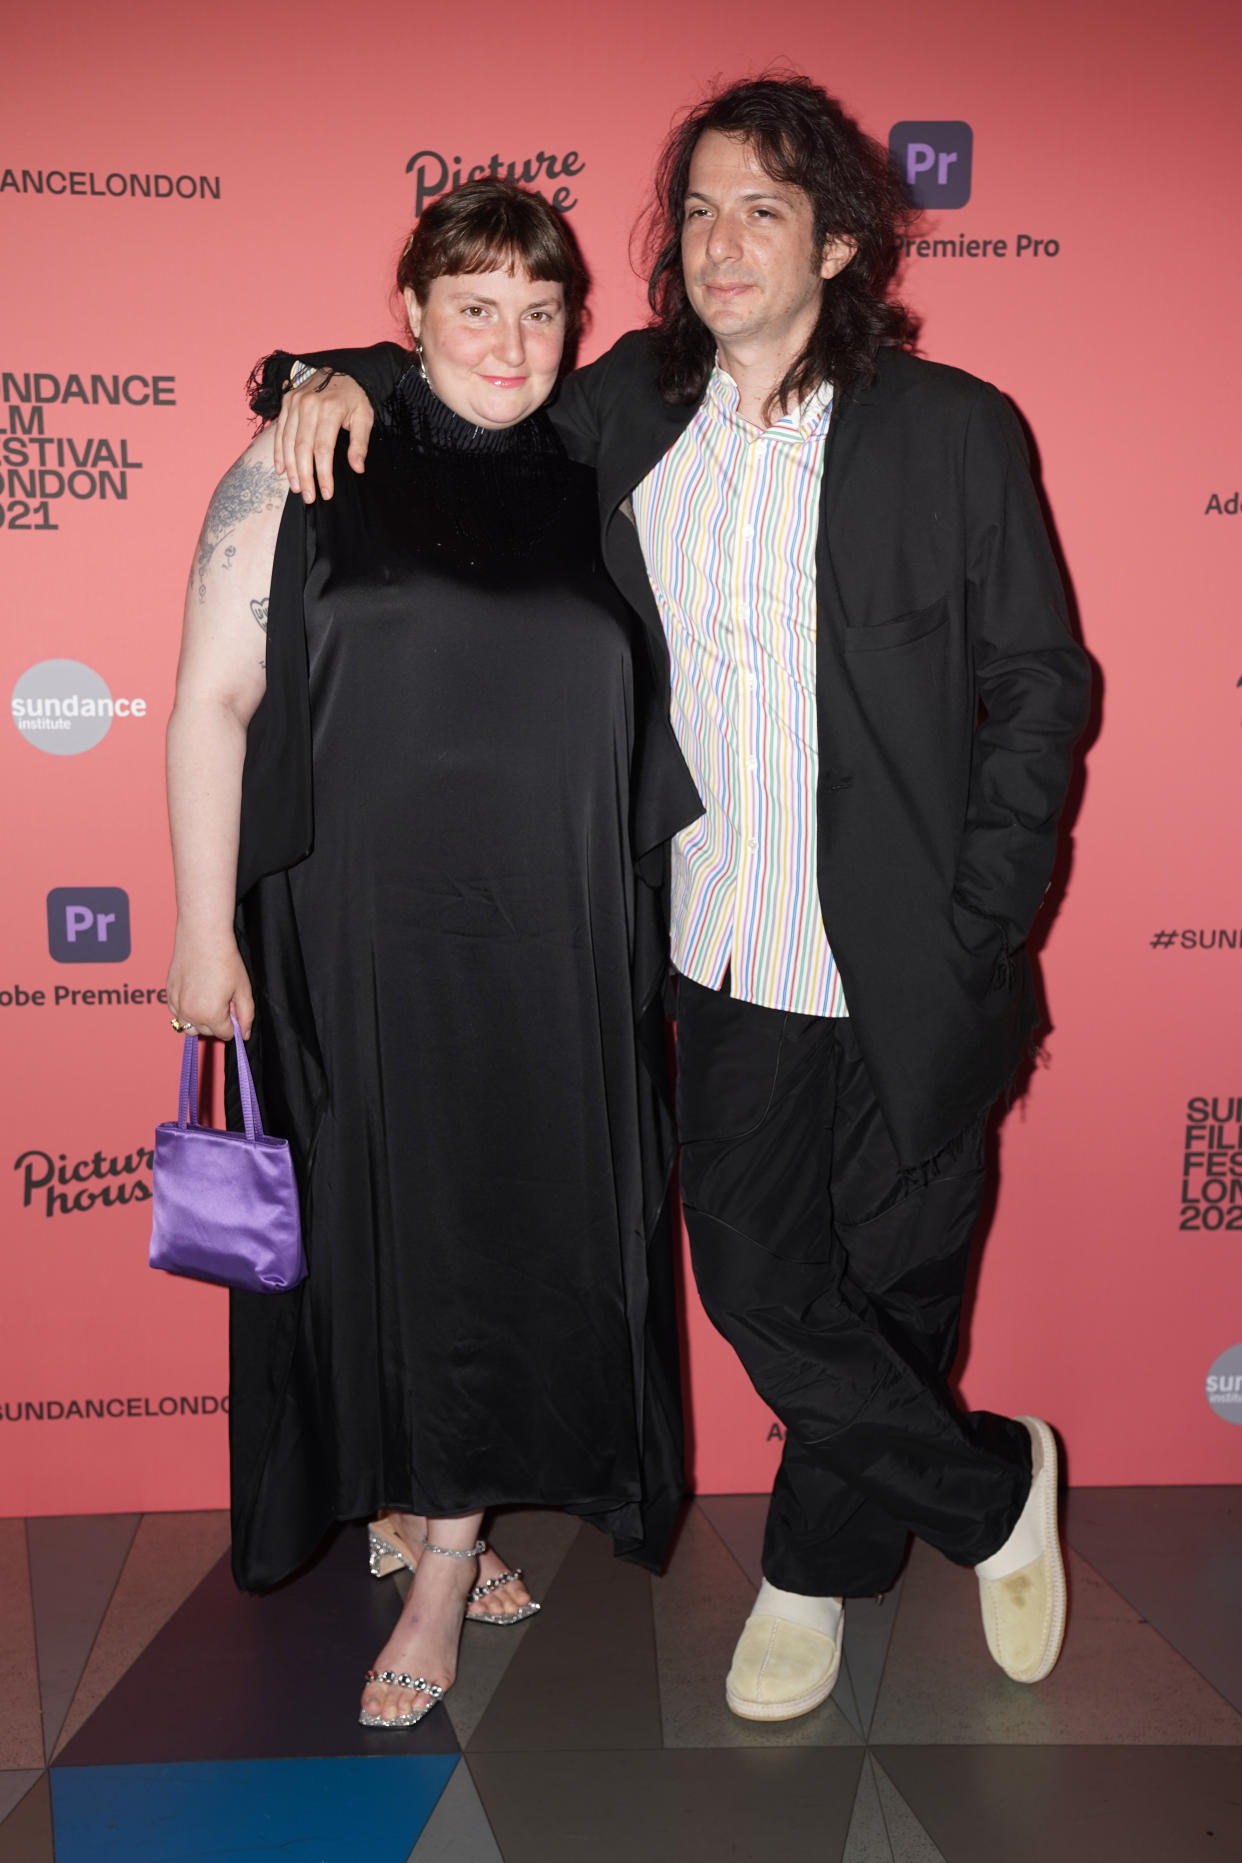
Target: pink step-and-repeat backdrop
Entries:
(182, 188)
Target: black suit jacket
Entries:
(949, 692)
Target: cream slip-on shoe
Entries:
(1024, 1612)
(781, 1669)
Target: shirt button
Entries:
(751, 841)
(748, 530)
(752, 763)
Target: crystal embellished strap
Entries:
(396, 1678)
(494, 1584)
(454, 1552)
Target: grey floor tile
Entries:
(21, 1724)
(700, 1606)
(457, 1830)
(883, 1828)
(867, 1840)
(1176, 1555)
(14, 1787)
(910, 1842)
(75, 1562)
(26, 1834)
(169, 1556)
(537, 1540)
(674, 1807)
(1075, 1804)
(845, 1700)
(868, 1632)
(1118, 1681)
(585, 1674)
(739, 1520)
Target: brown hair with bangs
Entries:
(492, 225)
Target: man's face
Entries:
(752, 269)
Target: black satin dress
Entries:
(457, 978)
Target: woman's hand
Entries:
(309, 421)
(206, 980)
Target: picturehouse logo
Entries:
(551, 175)
(1223, 1387)
(65, 707)
(934, 160)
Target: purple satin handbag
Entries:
(225, 1204)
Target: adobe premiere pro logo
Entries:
(934, 160)
(88, 924)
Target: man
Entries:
(855, 616)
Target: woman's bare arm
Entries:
(221, 677)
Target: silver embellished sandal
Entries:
(386, 1558)
(398, 1679)
(417, 1684)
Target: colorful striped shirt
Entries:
(728, 523)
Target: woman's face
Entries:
(491, 342)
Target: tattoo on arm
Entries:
(259, 611)
(245, 490)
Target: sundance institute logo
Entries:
(64, 707)
(1223, 1387)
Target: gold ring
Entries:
(182, 1028)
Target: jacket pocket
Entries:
(900, 630)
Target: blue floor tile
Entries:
(302, 1811)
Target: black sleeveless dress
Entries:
(457, 977)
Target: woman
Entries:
(419, 897)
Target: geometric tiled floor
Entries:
(150, 1714)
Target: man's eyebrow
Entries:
(752, 194)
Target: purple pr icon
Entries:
(934, 161)
(88, 924)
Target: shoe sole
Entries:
(748, 1710)
(1056, 1628)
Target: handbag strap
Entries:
(187, 1104)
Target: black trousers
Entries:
(838, 1280)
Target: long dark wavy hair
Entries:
(804, 139)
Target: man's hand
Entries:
(310, 419)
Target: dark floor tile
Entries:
(26, 1834)
(585, 1676)
(21, 1723)
(910, 1842)
(537, 1540)
(75, 1562)
(170, 1555)
(843, 1699)
(232, 1677)
(1086, 1804)
(700, 1606)
(883, 1828)
(1175, 1554)
(739, 1520)
(868, 1631)
(1117, 1681)
(675, 1807)
(457, 1830)
(331, 1810)
(14, 1787)
(867, 1838)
